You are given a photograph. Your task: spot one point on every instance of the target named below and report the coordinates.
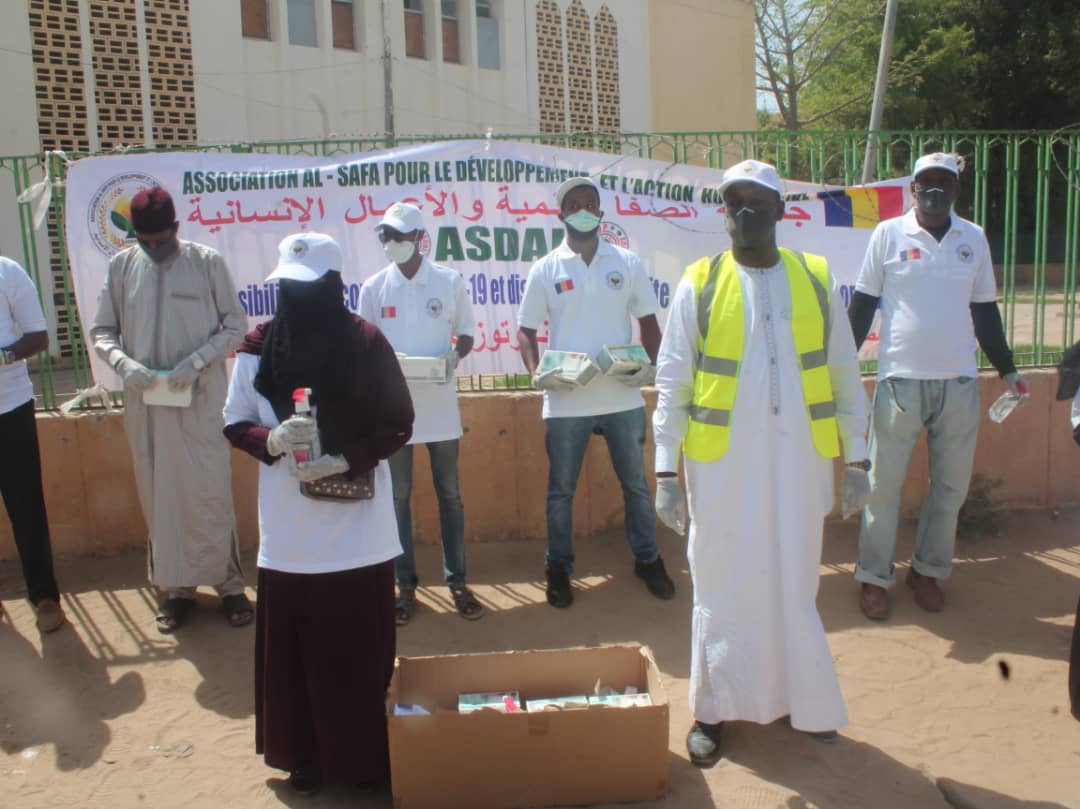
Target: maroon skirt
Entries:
(324, 655)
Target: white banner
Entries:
(489, 207)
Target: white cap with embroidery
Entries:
(306, 257)
(752, 171)
(937, 160)
(402, 217)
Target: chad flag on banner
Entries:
(861, 207)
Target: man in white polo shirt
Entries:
(588, 290)
(422, 307)
(931, 273)
(22, 335)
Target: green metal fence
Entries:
(1022, 187)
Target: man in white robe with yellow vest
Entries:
(759, 387)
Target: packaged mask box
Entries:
(571, 366)
(557, 703)
(618, 360)
(622, 700)
(159, 394)
(501, 701)
(423, 369)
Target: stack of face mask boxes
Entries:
(622, 360)
(423, 369)
(571, 366)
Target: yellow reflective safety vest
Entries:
(720, 350)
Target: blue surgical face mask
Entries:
(583, 221)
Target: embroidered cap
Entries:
(574, 182)
(752, 171)
(306, 257)
(402, 217)
(937, 160)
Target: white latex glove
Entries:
(1018, 385)
(183, 375)
(671, 504)
(7, 357)
(291, 434)
(322, 467)
(549, 381)
(645, 375)
(136, 376)
(854, 492)
(452, 359)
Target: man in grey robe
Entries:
(169, 309)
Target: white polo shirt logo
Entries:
(434, 307)
(615, 280)
(965, 253)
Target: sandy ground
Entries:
(107, 713)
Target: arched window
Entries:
(606, 36)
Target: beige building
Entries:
(85, 76)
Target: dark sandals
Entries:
(466, 603)
(238, 610)
(173, 614)
(405, 606)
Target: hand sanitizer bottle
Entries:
(302, 406)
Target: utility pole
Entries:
(388, 84)
(879, 90)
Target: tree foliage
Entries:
(956, 64)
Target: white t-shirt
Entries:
(419, 315)
(926, 289)
(587, 307)
(20, 313)
(298, 534)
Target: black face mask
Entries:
(159, 252)
(751, 228)
(934, 201)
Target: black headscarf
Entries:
(305, 342)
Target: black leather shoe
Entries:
(303, 784)
(656, 578)
(559, 593)
(703, 744)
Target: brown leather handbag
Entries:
(341, 489)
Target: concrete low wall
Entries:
(93, 509)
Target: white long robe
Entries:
(759, 647)
(158, 315)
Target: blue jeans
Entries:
(566, 440)
(949, 410)
(444, 473)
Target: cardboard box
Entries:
(491, 760)
(616, 360)
(573, 366)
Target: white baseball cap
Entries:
(402, 217)
(937, 160)
(571, 184)
(306, 257)
(751, 171)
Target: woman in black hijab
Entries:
(325, 634)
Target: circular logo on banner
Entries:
(434, 307)
(109, 216)
(425, 244)
(610, 232)
(965, 253)
(614, 279)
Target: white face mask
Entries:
(399, 252)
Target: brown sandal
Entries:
(467, 605)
